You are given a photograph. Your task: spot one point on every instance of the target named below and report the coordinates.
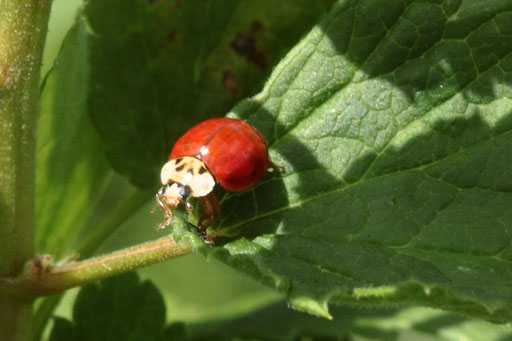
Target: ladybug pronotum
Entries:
(226, 151)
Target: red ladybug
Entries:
(225, 150)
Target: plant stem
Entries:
(41, 278)
(23, 27)
(109, 225)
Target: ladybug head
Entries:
(182, 178)
(174, 193)
(170, 196)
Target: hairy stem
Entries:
(42, 278)
(23, 27)
(109, 225)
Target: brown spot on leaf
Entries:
(230, 82)
(256, 26)
(245, 45)
(174, 35)
(170, 37)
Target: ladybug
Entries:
(226, 151)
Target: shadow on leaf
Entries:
(397, 182)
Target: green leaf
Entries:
(393, 123)
(158, 67)
(193, 288)
(279, 322)
(71, 166)
(274, 322)
(120, 308)
(62, 329)
(176, 332)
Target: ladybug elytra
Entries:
(226, 151)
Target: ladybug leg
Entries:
(188, 206)
(274, 166)
(210, 204)
(167, 213)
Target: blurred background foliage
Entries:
(198, 288)
(215, 301)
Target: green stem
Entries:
(116, 218)
(41, 278)
(23, 27)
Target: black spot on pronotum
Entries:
(180, 168)
(190, 171)
(178, 160)
(202, 170)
